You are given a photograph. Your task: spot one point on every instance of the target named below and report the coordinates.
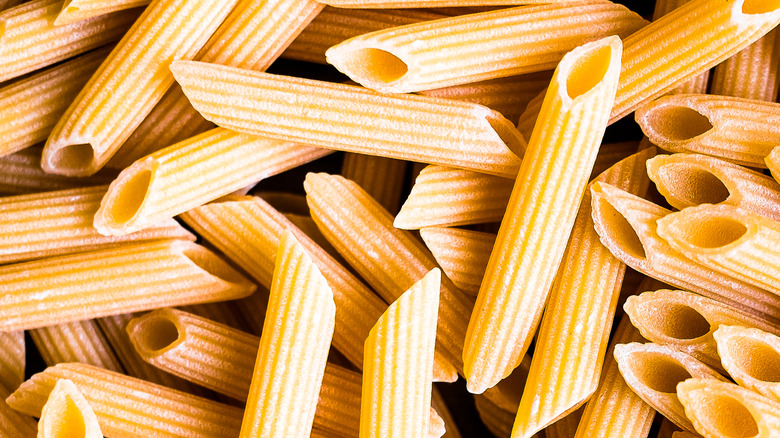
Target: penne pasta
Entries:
(686, 321)
(653, 372)
(697, 84)
(723, 409)
(67, 413)
(772, 162)
(293, 347)
(498, 421)
(750, 356)
(12, 360)
(129, 83)
(739, 130)
(751, 73)
(428, 3)
(541, 212)
(390, 260)
(21, 173)
(444, 196)
(190, 173)
(498, 43)
(462, 254)
(507, 393)
(77, 10)
(79, 341)
(128, 278)
(13, 423)
(60, 222)
(382, 178)
(574, 333)
(687, 180)
(353, 119)
(125, 405)
(565, 427)
(398, 361)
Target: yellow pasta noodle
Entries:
(541, 212)
(772, 162)
(21, 173)
(751, 357)
(353, 119)
(126, 406)
(129, 278)
(697, 84)
(293, 347)
(740, 130)
(382, 178)
(67, 414)
(129, 83)
(462, 254)
(428, 3)
(79, 341)
(687, 180)
(498, 43)
(720, 409)
(77, 10)
(751, 73)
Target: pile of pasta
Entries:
(432, 242)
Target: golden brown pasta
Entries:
(697, 84)
(462, 254)
(12, 360)
(77, 10)
(21, 173)
(13, 423)
(382, 178)
(79, 341)
(751, 73)
(498, 421)
(751, 357)
(67, 414)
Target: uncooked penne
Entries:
(398, 364)
(489, 45)
(190, 173)
(124, 405)
(719, 409)
(574, 332)
(129, 83)
(750, 73)
(462, 254)
(382, 178)
(444, 196)
(60, 222)
(428, 3)
(13, 423)
(78, 10)
(68, 413)
(541, 212)
(728, 239)
(740, 130)
(79, 341)
(105, 282)
(751, 357)
(653, 372)
(687, 180)
(21, 173)
(697, 84)
(351, 118)
(772, 162)
(498, 421)
(293, 347)
(12, 360)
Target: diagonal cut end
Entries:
(369, 66)
(717, 413)
(154, 333)
(706, 227)
(75, 160)
(686, 183)
(123, 203)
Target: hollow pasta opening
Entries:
(507, 134)
(620, 228)
(692, 185)
(760, 6)
(376, 64)
(65, 420)
(711, 232)
(211, 264)
(755, 358)
(155, 333)
(679, 123)
(725, 415)
(130, 196)
(588, 71)
(677, 321)
(658, 372)
(72, 159)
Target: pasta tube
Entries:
(498, 421)
(129, 278)
(353, 119)
(21, 173)
(564, 427)
(443, 196)
(382, 178)
(129, 83)
(773, 163)
(125, 405)
(489, 45)
(426, 3)
(697, 84)
(462, 254)
(13, 423)
(653, 372)
(390, 260)
(720, 409)
(739, 130)
(541, 212)
(686, 321)
(67, 413)
(750, 356)
(398, 361)
(77, 10)
(190, 173)
(687, 180)
(12, 360)
(60, 222)
(727, 239)
(574, 332)
(79, 341)
(751, 73)
(293, 347)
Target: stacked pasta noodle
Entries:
(479, 231)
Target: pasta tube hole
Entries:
(213, 265)
(725, 415)
(155, 333)
(658, 372)
(712, 232)
(130, 197)
(692, 185)
(65, 420)
(619, 227)
(755, 358)
(760, 6)
(588, 71)
(678, 321)
(72, 158)
(376, 64)
(679, 123)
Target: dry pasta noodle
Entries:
(125, 405)
(476, 4)
(720, 409)
(21, 173)
(614, 410)
(190, 173)
(382, 178)
(462, 254)
(687, 180)
(398, 364)
(78, 10)
(683, 434)
(13, 423)
(128, 278)
(293, 347)
(444, 196)
(248, 230)
(541, 212)
(30, 40)
(67, 413)
(507, 393)
(499, 43)
(653, 372)
(79, 341)
(727, 239)
(498, 421)
(751, 73)
(7, 4)
(12, 360)
(697, 84)
(357, 226)
(309, 228)
(128, 84)
(751, 358)
(773, 163)
(565, 427)
(574, 332)
(740, 130)
(626, 224)
(60, 222)
(686, 321)
(351, 118)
